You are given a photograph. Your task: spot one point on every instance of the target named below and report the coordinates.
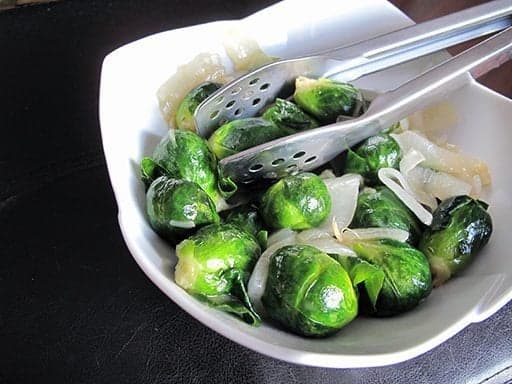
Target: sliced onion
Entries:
(410, 161)
(312, 234)
(343, 191)
(281, 235)
(204, 67)
(438, 184)
(186, 224)
(244, 52)
(327, 174)
(443, 159)
(375, 233)
(258, 280)
(330, 245)
(394, 180)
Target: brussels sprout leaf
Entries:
(150, 171)
(361, 271)
(227, 187)
(236, 303)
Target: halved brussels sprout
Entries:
(247, 218)
(300, 201)
(176, 208)
(308, 292)
(326, 99)
(237, 135)
(374, 153)
(407, 276)
(288, 115)
(187, 107)
(215, 264)
(379, 207)
(461, 226)
(185, 155)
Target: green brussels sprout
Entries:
(187, 107)
(286, 114)
(237, 135)
(407, 279)
(379, 207)
(247, 218)
(461, 226)
(297, 202)
(177, 207)
(308, 292)
(185, 155)
(214, 265)
(374, 153)
(326, 99)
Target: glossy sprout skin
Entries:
(214, 265)
(407, 276)
(326, 99)
(238, 135)
(185, 155)
(374, 153)
(461, 226)
(379, 207)
(308, 292)
(247, 218)
(177, 208)
(186, 109)
(288, 115)
(297, 202)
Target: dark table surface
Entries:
(74, 306)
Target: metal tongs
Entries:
(247, 95)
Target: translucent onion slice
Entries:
(244, 52)
(375, 233)
(312, 234)
(258, 280)
(395, 181)
(343, 191)
(438, 184)
(443, 159)
(186, 224)
(281, 235)
(435, 121)
(327, 174)
(410, 161)
(332, 246)
(204, 67)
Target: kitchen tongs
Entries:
(310, 149)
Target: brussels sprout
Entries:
(407, 279)
(379, 207)
(374, 153)
(177, 207)
(214, 266)
(247, 218)
(327, 99)
(187, 107)
(185, 155)
(298, 202)
(286, 114)
(237, 135)
(308, 292)
(460, 227)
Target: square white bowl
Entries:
(131, 125)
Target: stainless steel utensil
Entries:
(310, 149)
(247, 95)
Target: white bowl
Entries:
(131, 126)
